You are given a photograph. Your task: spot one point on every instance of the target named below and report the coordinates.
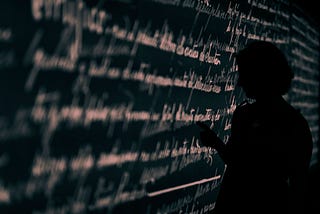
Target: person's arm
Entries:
(210, 139)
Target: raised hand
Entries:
(207, 136)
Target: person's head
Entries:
(263, 70)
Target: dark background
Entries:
(310, 8)
(313, 12)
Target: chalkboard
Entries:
(99, 98)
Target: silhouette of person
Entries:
(267, 157)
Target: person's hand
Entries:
(207, 136)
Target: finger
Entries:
(203, 126)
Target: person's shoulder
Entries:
(296, 117)
(294, 113)
(300, 131)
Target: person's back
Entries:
(267, 144)
(269, 151)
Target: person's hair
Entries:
(266, 63)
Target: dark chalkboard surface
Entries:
(99, 98)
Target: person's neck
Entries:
(269, 100)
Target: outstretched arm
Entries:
(210, 139)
